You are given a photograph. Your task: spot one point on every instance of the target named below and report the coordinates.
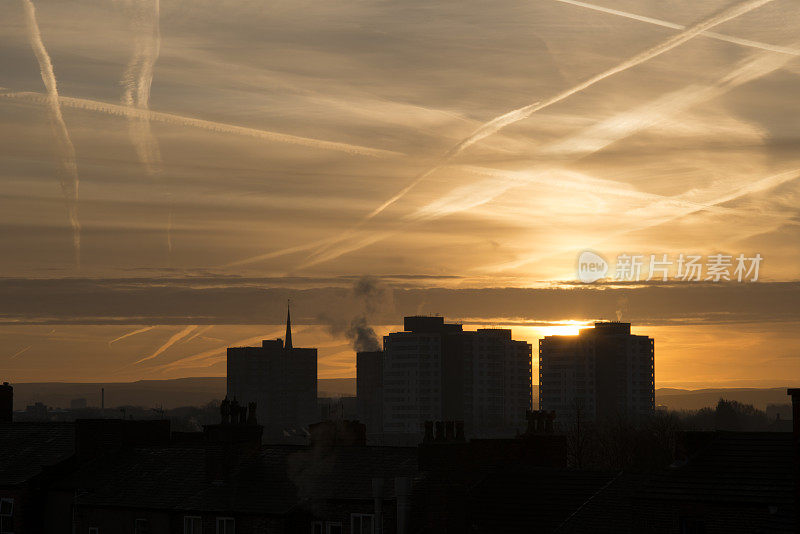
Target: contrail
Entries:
(672, 25)
(171, 341)
(604, 133)
(278, 253)
(200, 356)
(20, 352)
(179, 120)
(198, 332)
(69, 166)
(514, 116)
(129, 334)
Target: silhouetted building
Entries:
(77, 404)
(282, 380)
(369, 391)
(602, 372)
(437, 371)
(28, 452)
(6, 402)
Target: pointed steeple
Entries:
(288, 343)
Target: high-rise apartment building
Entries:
(601, 373)
(437, 371)
(282, 380)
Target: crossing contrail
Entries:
(498, 123)
(211, 126)
(663, 23)
(171, 341)
(66, 150)
(586, 142)
(138, 79)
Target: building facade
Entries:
(282, 380)
(437, 371)
(601, 373)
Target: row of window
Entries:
(191, 525)
(359, 524)
(7, 516)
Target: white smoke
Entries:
(66, 151)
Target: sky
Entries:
(172, 171)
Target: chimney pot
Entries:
(449, 427)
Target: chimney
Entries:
(795, 393)
(428, 432)
(449, 431)
(439, 436)
(6, 403)
(460, 431)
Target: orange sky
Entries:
(193, 163)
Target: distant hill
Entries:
(200, 391)
(148, 393)
(684, 399)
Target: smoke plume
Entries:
(373, 298)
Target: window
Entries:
(226, 525)
(6, 515)
(316, 528)
(192, 524)
(141, 526)
(333, 528)
(362, 523)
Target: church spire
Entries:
(288, 343)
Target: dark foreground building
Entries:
(136, 477)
